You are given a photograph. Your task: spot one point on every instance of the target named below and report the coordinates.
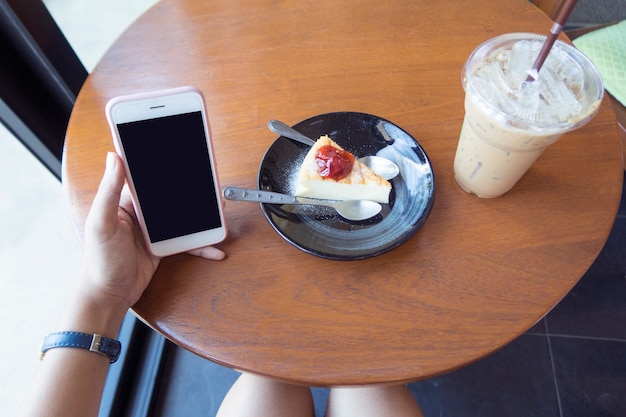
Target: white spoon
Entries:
(350, 209)
(381, 166)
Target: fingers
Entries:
(113, 179)
(208, 252)
(103, 211)
(126, 201)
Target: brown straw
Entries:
(556, 29)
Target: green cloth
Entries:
(606, 47)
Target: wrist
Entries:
(93, 313)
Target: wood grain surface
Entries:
(476, 276)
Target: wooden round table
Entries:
(477, 275)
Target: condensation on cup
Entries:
(510, 122)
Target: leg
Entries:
(257, 396)
(376, 401)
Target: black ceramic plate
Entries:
(320, 230)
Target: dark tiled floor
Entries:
(571, 364)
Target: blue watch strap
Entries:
(92, 342)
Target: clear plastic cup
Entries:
(510, 122)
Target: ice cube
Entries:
(557, 94)
(529, 101)
(522, 57)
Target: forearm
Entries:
(70, 380)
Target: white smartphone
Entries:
(164, 139)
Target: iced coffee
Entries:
(510, 121)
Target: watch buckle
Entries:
(96, 342)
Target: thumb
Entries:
(104, 209)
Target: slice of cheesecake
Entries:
(331, 173)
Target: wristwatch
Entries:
(92, 342)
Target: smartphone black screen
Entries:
(169, 162)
